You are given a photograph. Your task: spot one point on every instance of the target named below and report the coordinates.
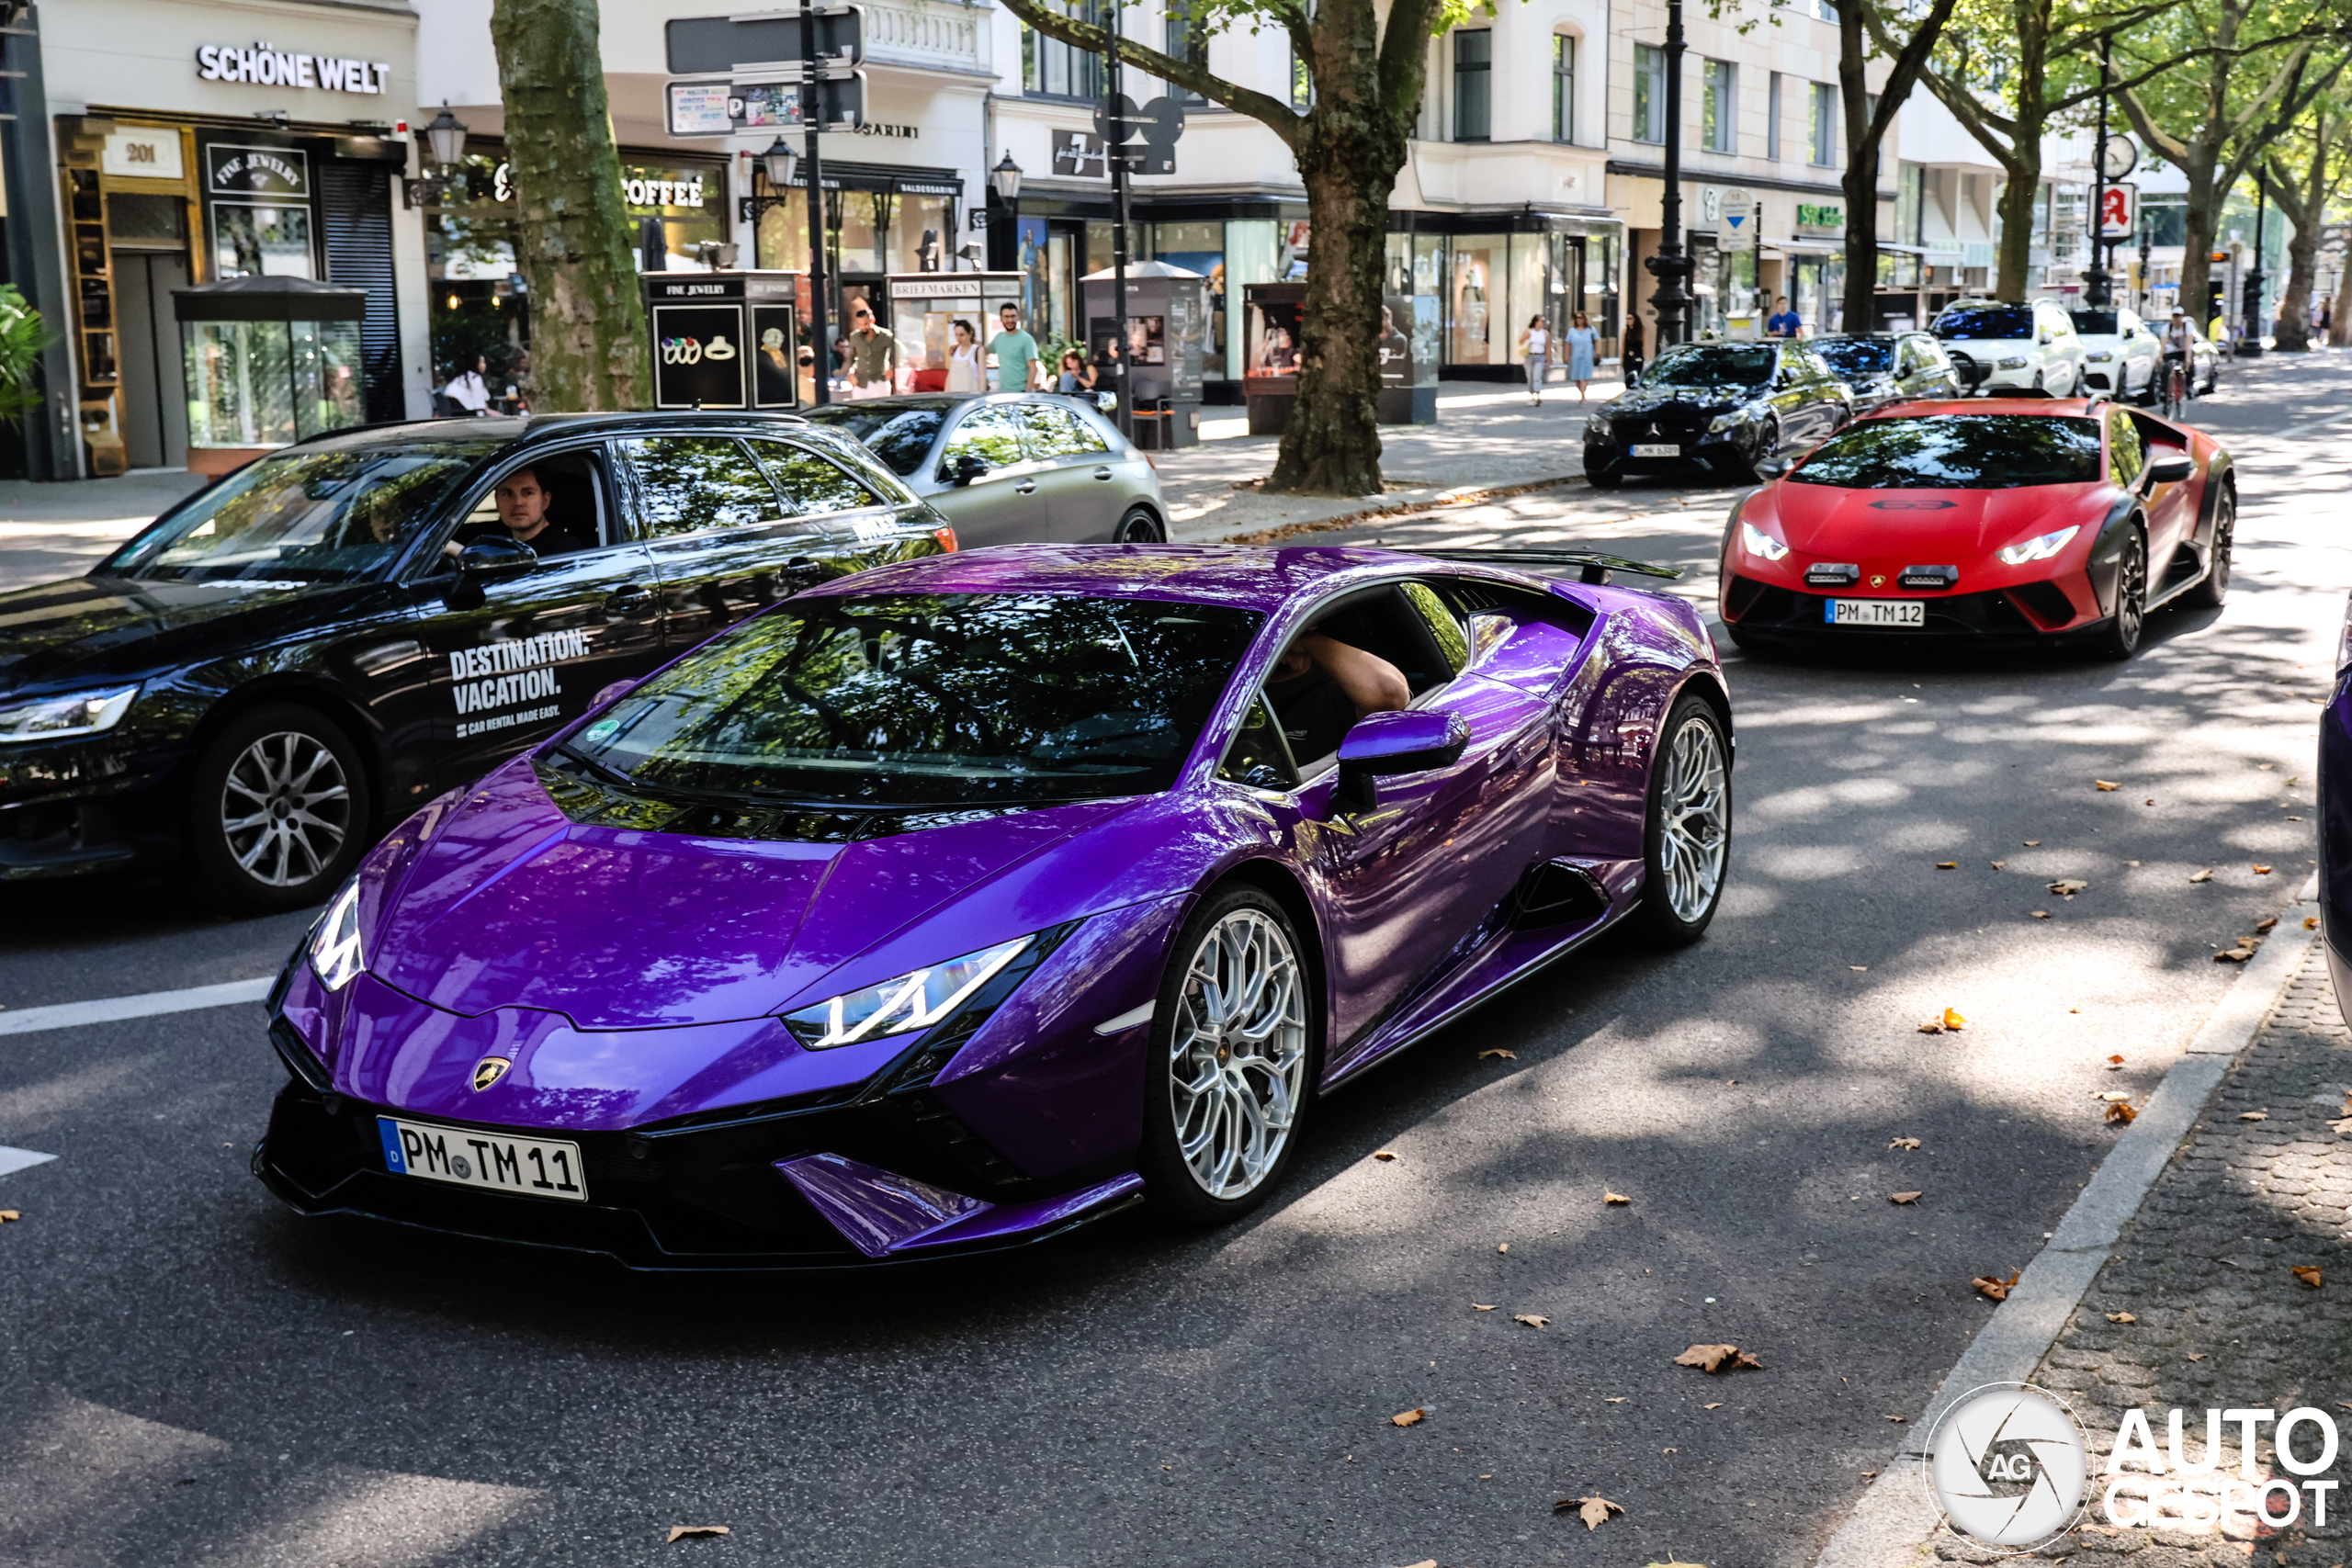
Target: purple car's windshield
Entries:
(930, 700)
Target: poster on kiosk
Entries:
(945, 321)
(727, 340)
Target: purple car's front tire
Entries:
(1226, 1086)
(1687, 840)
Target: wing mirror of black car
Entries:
(1382, 744)
(496, 554)
(966, 467)
(2170, 470)
(1632, 377)
(1771, 468)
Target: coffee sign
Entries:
(264, 64)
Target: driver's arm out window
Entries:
(1259, 756)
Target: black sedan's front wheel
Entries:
(1599, 468)
(1226, 1083)
(279, 811)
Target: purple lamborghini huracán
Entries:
(954, 904)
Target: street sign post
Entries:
(704, 46)
(1736, 221)
(2119, 212)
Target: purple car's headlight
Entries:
(336, 957)
(903, 1004)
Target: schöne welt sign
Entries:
(270, 67)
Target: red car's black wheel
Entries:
(2120, 637)
(2209, 593)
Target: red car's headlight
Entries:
(1759, 544)
(2041, 548)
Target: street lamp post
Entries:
(2095, 281)
(2147, 246)
(1005, 179)
(445, 142)
(1669, 265)
(2250, 341)
(814, 96)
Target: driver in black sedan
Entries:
(523, 507)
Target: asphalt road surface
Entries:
(189, 1374)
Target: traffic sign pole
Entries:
(813, 93)
(1118, 140)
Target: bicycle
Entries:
(2174, 403)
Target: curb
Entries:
(1894, 1517)
(1460, 496)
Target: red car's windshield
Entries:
(1961, 451)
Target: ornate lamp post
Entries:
(445, 140)
(1669, 265)
(2095, 281)
(1005, 179)
(2250, 341)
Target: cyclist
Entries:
(2177, 335)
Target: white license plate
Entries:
(1657, 451)
(538, 1168)
(1877, 611)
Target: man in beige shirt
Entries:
(873, 355)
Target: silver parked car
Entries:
(1013, 468)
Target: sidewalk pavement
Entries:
(49, 531)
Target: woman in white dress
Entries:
(964, 372)
(1535, 342)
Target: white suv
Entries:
(2120, 353)
(2001, 348)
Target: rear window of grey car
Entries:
(900, 436)
(304, 516)
(927, 700)
(1956, 452)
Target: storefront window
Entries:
(1199, 247)
(1474, 300)
(1249, 258)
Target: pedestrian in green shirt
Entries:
(1016, 353)
(873, 355)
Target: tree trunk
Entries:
(1331, 446)
(2339, 316)
(2014, 250)
(2201, 216)
(574, 245)
(1859, 180)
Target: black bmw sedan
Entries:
(283, 665)
(1727, 405)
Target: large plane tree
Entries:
(1365, 62)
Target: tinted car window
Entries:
(1058, 431)
(2096, 322)
(689, 483)
(929, 700)
(307, 516)
(1985, 324)
(811, 483)
(1857, 355)
(991, 433)
(901, 438)
(1956, 452)
(2126, 445)
(1452, 642)
(1712, 365)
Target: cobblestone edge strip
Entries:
(1891, 1522)
(1471, 496)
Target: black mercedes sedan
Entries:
(1891, 367)
(1728, 405)
(285, 664)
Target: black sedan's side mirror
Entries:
(1771, 468)
(966, 467)
(496, 554)
(2171, 470)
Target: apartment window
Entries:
(1474, 77)
(1188, 41)
(1649, 94)
(1825, 125)
(1052, 69)
(1563, 87)
(1719, 116)
(1772, 118)
(1825, 9)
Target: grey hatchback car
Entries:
(1013, 468)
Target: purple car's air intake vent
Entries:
(1553, 895)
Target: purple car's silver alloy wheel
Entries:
(1693, 837)
(285, 808)
(1236, 1056)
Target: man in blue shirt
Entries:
(1783, 322)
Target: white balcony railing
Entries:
(931, 35)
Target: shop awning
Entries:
(1932, 255)
(1803, 247)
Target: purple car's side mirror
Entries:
(618, 688)
(1387, 743)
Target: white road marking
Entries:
(69, 1015)
(14, 1160)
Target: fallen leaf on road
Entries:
(2205, 876)
(1429, 1562)
(1483, 1306)
(1506, 1055)
(1898, 1417)
(1384, 1154)
(1407, 1418)
(8, 1214)
(2113, 1063)
(2042, 914)
(1860, 968)
(1608, 1197)
(1902, 1143)
(1533, 1320)
(2263, 925)
(2150, 801)
(2033, 843)
(1947, 866)
(2311, 922)
(2262, 871)
(2254, 1116)
(2104, 785)
(679, 1532)
(2120, 1317)
(2068, 888)
(1613, 1399)
(2121, 1112)
(1904, 1197)
(1718, 1405)
(1953, 1019)
(1997, 1289)
(2237, 954)
(1593, 1511)
(2307, 1274)
(2111, 1094)
(1504, 1248)
(2196, 1355)
(1717, 1359)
